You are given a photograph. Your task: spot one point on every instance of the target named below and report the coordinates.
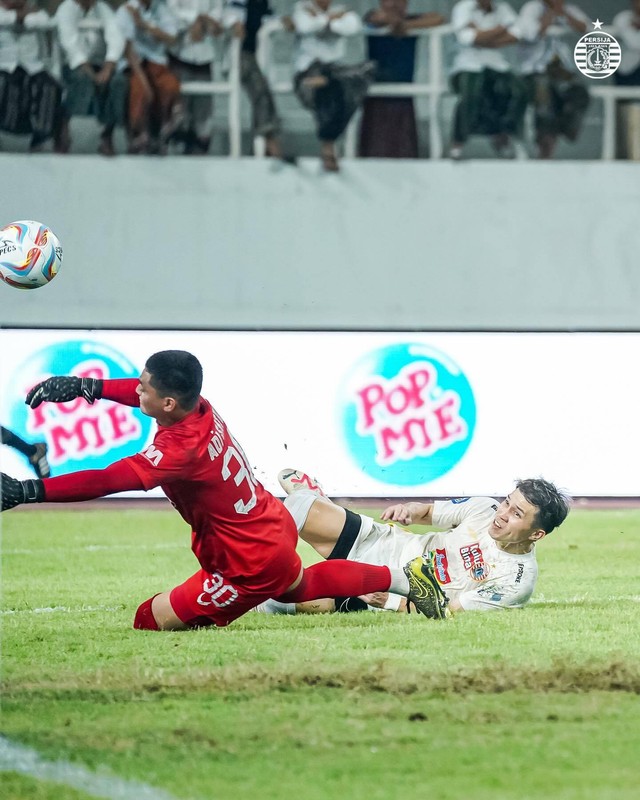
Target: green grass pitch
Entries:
(540, 703)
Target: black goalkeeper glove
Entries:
(61, 388)
(15, 493)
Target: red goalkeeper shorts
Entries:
(209, 598)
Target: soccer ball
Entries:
(30, 254)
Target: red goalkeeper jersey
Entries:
(238, 526)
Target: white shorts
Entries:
(377, 543)
(385, 544)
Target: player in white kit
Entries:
(483, 559)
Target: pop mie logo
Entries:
(79, 435)
(408, 414)
(597, 54)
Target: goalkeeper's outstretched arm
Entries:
(62, 388)
(77, 486)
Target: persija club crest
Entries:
(597, 54)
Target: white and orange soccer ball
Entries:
(30, 254)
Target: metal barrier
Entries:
(229, 87)
(52, 56)
(610, 95)
(434, 88)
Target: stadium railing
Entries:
(610, 96)
(229, 66)
(229, 87)
(435, 87)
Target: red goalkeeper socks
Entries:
(338, 578)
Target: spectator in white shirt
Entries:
(331, 90)
(626, 29)
(492, 99)
(191, 59)
(155, 109)
(93, 84)
(30, 98)
(560, 99)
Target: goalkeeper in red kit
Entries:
(242, 536)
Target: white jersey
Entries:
(468, 564)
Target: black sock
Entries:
(345, 605)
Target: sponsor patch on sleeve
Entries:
(441, 565)
(459, 500)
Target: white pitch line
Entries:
(18, 758)
(91, 548)
(627, 598)
(55, 609)
(586, 598)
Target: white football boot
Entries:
(292, 480)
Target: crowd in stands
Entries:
(128, 67)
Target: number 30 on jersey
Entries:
(235, 465)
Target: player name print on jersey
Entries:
(216, 445)
(408, 414)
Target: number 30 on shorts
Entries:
(215, 592)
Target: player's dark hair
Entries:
(552, 504)
(176, 373)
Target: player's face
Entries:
(514, 522)
(151, 403)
